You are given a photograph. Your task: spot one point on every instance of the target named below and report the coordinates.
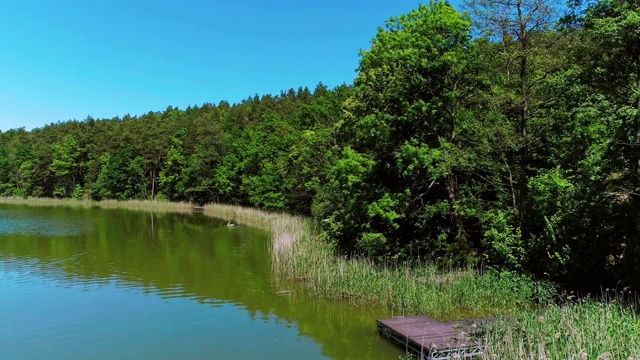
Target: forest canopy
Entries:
(508, 135)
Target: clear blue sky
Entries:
(64, 59)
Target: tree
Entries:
(263, 153)
(400, 124)
(610, 56)
(520, 29)
(521, 50)
(66, 165)
(172, 179)
(122, 176)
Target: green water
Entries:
(117, 284)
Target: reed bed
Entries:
(285, 229)
(423, 288)
(139, 205)
(536, 327)
(52, 202)
(277, 221)
(589, 329)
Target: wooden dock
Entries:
(431, 339)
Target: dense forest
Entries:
(508, 135)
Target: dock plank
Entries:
(430, 338)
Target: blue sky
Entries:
(63, 59)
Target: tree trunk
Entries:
(452, 185)
(635, 163)
(523, 153)
(524, 148)
(152, 175)
(453, 199)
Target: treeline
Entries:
(518, 146)
(269, 151)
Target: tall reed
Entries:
(422, 288)
(589, 329)
(140, 205)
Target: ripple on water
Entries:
(44, 227)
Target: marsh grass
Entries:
(273, 221)
(424, 289)
(536, 327)
(589, 329)
(285, 229)
(139, 205)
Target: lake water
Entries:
(115, 284)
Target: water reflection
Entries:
(131, 260)
(23, 223)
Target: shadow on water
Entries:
(179, 256)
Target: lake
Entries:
(79, 283)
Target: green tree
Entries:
(66, 165)
(5, 167)
(522, 51)
(605, 225)
(122, 176)
(400, 124)
(264, 152)
(172, 177)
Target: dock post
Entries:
(392, 306)
(403, 305)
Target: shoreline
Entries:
(588, 328)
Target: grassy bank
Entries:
(423, 288)
(298, 255)
(589, 329)
(140, 205)
(537, 327)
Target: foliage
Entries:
(517, 148)
(66, 165)
(122, 176)
(395, 191)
